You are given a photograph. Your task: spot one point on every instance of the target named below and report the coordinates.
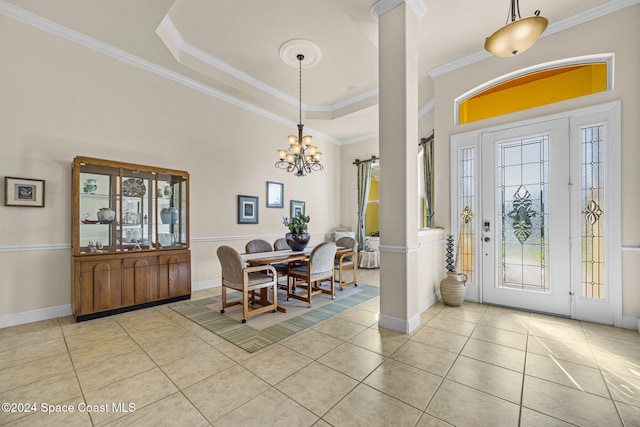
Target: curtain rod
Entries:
(372, 159)
(427, 139)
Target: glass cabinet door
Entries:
(172, 211)
(136, 228)
(97, 209)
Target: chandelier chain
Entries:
(300, 58)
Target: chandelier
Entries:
(518, 35)
(301, 157)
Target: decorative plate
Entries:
(133, 187)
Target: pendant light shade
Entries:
(518, 35)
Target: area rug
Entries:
(265, 329)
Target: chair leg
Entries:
(245, 306)
(333, 290)
(224, 298)
(275, 297)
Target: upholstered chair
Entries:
(343, 262)
(257, 245)
(247, 280)
(281, 244)
(311, 272)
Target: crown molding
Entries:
(59, 30)
(379, 8)
(424, 110)
(360, 138)
(556, 27)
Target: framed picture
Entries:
(296, 207)
(275, 194)
(24, 192)
(247, 209)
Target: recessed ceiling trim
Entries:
(186, 48)
(67, 33)
(555, 27)
(205, 57)
(381, 7)
(360, 138)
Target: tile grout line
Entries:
(606, 383)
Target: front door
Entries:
(525, 221)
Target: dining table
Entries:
(280, 257)
(271, 258)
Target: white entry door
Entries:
(525, 221)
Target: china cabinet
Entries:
(130, 237)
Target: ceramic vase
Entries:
(452, 288)
(169, 215)
(297, 242)
(106, 215)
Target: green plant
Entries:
(297, 224)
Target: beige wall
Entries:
(618, 33)
(60, 100)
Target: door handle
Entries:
(487, 239)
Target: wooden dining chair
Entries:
(281, 244)
(311, 272)
(247, 280)
(344, 262)
(257, 245)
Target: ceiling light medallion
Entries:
(518, 35)
(301, 157)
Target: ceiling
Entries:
(233, 47)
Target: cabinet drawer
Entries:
(89, 266)
(140, 262)
(174, 258)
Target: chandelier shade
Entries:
(300, 157)
(518, 35)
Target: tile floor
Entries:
(474, 365)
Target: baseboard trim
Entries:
(400, 325)
(14, 319)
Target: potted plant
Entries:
(297, 238)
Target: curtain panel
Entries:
(364, 183)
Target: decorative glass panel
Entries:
(466, 247)
(523, 214)
(592, 200)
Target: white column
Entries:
(398, 81)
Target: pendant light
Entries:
(301, 157)
(518, 35)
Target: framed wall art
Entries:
(247, 209)
(296, 207)
(23, 192)
(275, 194)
